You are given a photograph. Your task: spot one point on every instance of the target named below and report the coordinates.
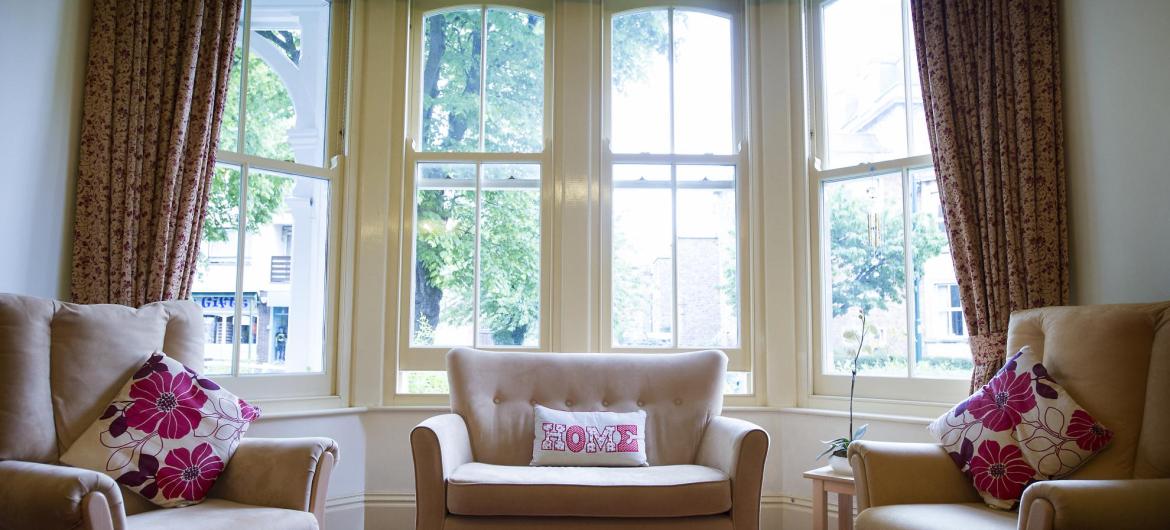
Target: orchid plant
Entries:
(840, 446)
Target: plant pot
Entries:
(840, 465)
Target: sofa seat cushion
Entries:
(968, 516)
(221, 514)
(655, 491)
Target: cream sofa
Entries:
(61, 364)
(1115, 361)
(471, 466)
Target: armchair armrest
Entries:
(439, 444)
(738, 448)
(1070, 504)
(36, 495)
(290, 473)
(906, 473)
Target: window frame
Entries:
(319, 387)
(433, 358)
(904, 389)
(740, 358)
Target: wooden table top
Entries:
(827, 473)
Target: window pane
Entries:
(450, 81)
(866, 269)
(214, 285)
(444, 249)
(286, 81)
(422, 382)
(640, 91)
(229, 125)
(919, 137)
(282, 327)
(642, 268)
(707, 287)
(509, 256)
(514, 117)
(943, 350)
(528, 174)
(703, 99)
(863, 78)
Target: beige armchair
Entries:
(61, 365)
(471, 466)
(1115, 361)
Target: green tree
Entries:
(270, 114)
(872, 276)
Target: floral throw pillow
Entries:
(167, 435)
(1019, 428)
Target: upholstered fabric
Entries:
(971, 516)
(293, 463)
(738, 448)
(475, 460)
(155, 89)
(495, 392)
(34, 495)
(713, 522)
(70, 358)
(26, 399)
(219, 513)
(1103, 356)
(45, 348)
(1112, 359)
(1094, 504)
(659, 491)
(991, 90)
(882, 472)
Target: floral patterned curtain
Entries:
(155, 89)
(990, 74)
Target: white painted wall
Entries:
(1116, 59)
(42, 57)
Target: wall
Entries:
(42, 55)
(1117, 147)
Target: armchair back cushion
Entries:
(495, 393)
(1114, 360)
(63, 363)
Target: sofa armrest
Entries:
(290, 473)
(906, 473)
(36, 495)
(1075, 504)
(439, 444)
(738, 448)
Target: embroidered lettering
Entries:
(602, 440)
(628, 439)
(554, 437)
(575, 438)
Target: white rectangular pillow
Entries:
(589, 438)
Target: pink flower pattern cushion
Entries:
(1019, 428)
(167, 435)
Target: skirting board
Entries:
(395, 511)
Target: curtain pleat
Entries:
(155, 90)
(990, 73)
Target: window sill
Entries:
(921, 412)
(273, 408)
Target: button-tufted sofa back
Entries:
(62, 364)
(1115, 361)
(495, 392)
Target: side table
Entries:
(826, 481)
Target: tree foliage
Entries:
(269, 116)
(868, 276)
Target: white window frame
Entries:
(324, 384)
(907, 389)
(740, 357)
(433, 358)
